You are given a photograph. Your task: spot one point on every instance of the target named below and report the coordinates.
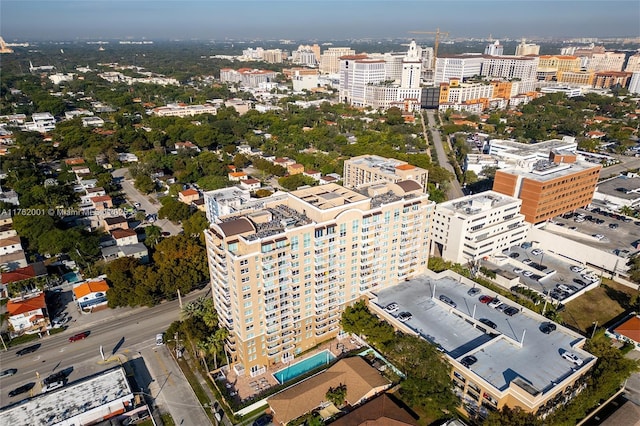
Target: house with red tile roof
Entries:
(188, 196)
(101, 202)
(295, 169)
(91, 294)
(238, 176)
(186, 145)
(629, 330)
(28, 315)
(76, 161)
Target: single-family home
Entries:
(91, 294)
(92, 122)
(137, 251)
(111, 223)
(101, 202)
(186, 145)
(238, 176)
(295, 169)
(313, 174)
(124, 237)
(10, 245)
(188, 196)
(327, 179)
(28, 315)
(250, 184)
(81, 170)
(75, 161)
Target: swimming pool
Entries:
(299, 368)
(71, 277)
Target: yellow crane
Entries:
(438, 34)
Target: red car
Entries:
(485, 299)
(79, 336)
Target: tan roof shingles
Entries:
(359, 377)
(382, 411)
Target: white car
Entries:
(571, 357)
(136, 205)
(494, 303)
(576, 269)
(160, 339)
(527, 261)
(51, 386)
(404, 316)
(536, 252)
(391, 307)
(598, 237)
(527, 273)
(517, 270)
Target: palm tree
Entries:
(627, 211)
(216, 344)
(202, 352)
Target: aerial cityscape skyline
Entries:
(64, 20)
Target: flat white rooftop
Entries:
(72, 400)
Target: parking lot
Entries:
(546, 273)
(609, 231)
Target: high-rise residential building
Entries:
(330, 59)
(457, 66)
(549, 177)
(476, 226)
(607, 61)
(494, 49)
(634, 83)
(522, 68)
(633, 63)
(609, 79)
(367, 169)
(580, 78)
(525, 48)
(273, 56)
(549, 66)
(356, 73)
(282, 274)
(456, 92)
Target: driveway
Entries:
(147, 203)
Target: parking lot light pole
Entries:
(595, 326)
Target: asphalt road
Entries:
(147, 203)
(454, 190)
(127, 336)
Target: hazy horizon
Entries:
(314, 19)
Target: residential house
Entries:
(81, 170)
(199, 203)
(35, 270)
(380, 411)
(91, 294)
(313, 174)
(137, 251)
(75, 161)
(188, 196)
(10, 245)
(295, 169)
(186, 145)
(111, 223)
(124, 237)
(237, 176)
(327, 179)
(362, 380)
(283, 161)
(250, 184)
(102, 202)
(28, 316)
(92, 122)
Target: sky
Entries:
(314, 19)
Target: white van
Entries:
(160, 339)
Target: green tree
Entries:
(511, 417)
(144, 183)
(174, 210)
(293, 182)
(195, 224)
(337, 395)
(394, 116)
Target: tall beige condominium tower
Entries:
(365, 169)
(283, 272)
(330, 59)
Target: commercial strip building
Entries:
(366, 169)
(89, 401)
(477, 226)
(282, 272)
(516, 364)
(549, 177)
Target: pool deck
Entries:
(249, 387)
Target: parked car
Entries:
(51, 386)
(21, 389)
(8, 372)
(536, 252)
(263, 420)
(580, 282)
(488, 322)
(514, 255)
(527, 261)
(79, 336)
(485, 299)
(447, 300)
(468, 360)
(527, 273)
(404, 316)
(56, 377)
(473, 291)
(547, 327)
(511, 311)
(518, 270)
(28, 350)
(391, 307)
(571, 357)
(160, 339)
(576, 269)
(495, 302)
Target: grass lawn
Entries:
(602, 304)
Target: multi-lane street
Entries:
(454, 190)
(126, 336)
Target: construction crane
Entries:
(438, 34)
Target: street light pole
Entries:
(595, 326)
